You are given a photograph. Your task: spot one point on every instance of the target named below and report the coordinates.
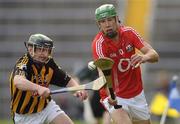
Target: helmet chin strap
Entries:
(33, 51)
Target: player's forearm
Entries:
(72, 82)
(21, 83)
(151, 56)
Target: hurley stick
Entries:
(106, 64)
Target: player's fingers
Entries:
(136, 59)
(47, 92)
(44, 92)
(82, 95)
(85, 95)
(77, 94)
(112, 102)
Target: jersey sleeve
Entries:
(60, 77)
(21, 67)
(98, 48)
(20, 70)
(135, 38)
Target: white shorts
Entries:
(136, 107)
(44, 117)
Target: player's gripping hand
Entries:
(43, 91)
(137, 59)
(82, 95)
(111, 101)
(107, 105)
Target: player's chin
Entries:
(43, 59)
(111, 34)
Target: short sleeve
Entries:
(135, 38)
(60, 77)
(98, 47)
(21, 69)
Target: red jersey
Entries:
(127, 81)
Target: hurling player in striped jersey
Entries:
(31, 102)
(119, 43)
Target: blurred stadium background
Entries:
(71, 24)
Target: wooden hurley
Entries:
(106, 64)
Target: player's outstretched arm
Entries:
(82, 95)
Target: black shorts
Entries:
(97, 107)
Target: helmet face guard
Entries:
(40, 42)
(105, 11)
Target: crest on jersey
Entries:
(129, 48)
(23, 67)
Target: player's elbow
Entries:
(155, 56)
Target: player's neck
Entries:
(116, 38)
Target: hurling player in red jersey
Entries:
(119, 43)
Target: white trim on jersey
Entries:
(99, 46)
(134, 31)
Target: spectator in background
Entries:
(160, 99)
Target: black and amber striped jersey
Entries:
(26, 102)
